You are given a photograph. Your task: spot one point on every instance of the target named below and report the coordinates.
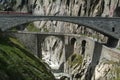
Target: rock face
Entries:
(52, 52)
(90, 61)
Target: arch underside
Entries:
(102, 25)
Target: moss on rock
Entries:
(75, 59)
(32, 28)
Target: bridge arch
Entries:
(73, 41)
(105, 26)
(102, 25)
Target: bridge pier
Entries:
(112, 42)
(38, 46)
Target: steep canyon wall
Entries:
(90, 60)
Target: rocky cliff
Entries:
(79, 66)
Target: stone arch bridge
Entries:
(33, 41)
(107, 26)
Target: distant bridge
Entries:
(107, 26)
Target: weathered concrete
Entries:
(107, 26)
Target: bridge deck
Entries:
(46, 33)
(107, 26)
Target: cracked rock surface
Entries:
(89, 60)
